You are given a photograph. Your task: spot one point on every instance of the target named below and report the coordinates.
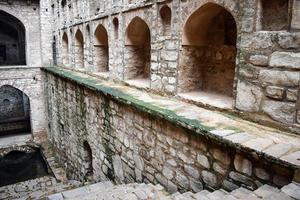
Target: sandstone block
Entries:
(279, 78)
(259, 60)
(242, 165)
(280, 111)
(285, 59)
(278, 150)
(248, 97)
(292, 190)
(275, 92)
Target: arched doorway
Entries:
(101, 49)
(14, 111)
(88, 161)
(79, 50)
(138, 50)
(12, 40)
(207, 59)
(65, 50)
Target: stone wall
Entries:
(259, 83)
(30, 82)
(131, 145)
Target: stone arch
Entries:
(101, 49)
(138, 50)
(207, 60)
(14, 111)
(166, 18)
(13, 40)
(88, 161)
(65, 49)
(79, 49)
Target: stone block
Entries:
(168, 173)
(289, 40)
(259, 60)
(262, 174)
(292, 158)
(287, 60)
(209, 178)
(265, 191)
(258, 144)
(248, 97)
(280, 111)
(275, 92)
(196, 185)
(221, 156)
(242, 165)
(292, 190)
(203, 161)
(193, 172)
(291, 95)
(279, 78)
(278, 150)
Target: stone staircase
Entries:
(36, 189)
(135, 191)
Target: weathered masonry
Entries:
(199, 96)
(229, 55)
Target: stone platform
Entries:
(275, 145)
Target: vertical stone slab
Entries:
(295, 24)
(46, 32)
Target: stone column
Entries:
(295, 23)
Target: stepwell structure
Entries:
(152, 99)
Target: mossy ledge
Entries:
(195, 126)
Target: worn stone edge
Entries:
(94, 84)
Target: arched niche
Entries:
(138, 50)
(12, 40)
(101, 49)
(207, 59)
(79, 50)
(14, 111)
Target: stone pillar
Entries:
(295, 23)
(46, 32)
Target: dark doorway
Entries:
(14, 111)
(12, 40)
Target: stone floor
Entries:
(280, 146)
(35, 189)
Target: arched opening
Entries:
(138, 51)
(79, 51)
(166, 16)
(101, 49)
(207, 59)
(88, 161)
(12, 40)
(14, 111)
(116, 27)
(65, 50)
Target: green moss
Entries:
(95, 84)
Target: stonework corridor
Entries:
(150, 100)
